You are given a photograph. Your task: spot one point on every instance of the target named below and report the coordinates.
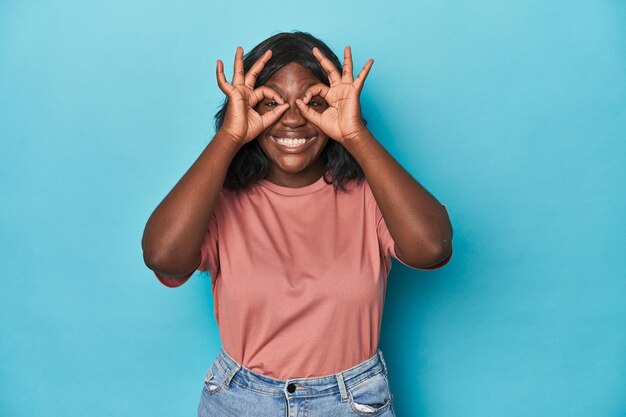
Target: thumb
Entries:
(271, 116)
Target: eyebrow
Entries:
(275, 87)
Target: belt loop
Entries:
(231, 373)
(382, 360)
(342, 386)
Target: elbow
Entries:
(151, 256)
(439, 254)
(173, 266)
(438, 257)
(159, 259)
(442, 244)
(442, 249)
(152, 259)
(440, 260)
(433, 252)
(443, 256)
(162, 265)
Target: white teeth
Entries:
(290, 142)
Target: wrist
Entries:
(229, 141)
(356, 135)
(223, 135)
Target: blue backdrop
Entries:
(513, 114)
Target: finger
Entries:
(271, 116)
(264, 92)
(360, 79)
(347, 65)
(329, 67)
(238, 76)
(308, 113)
(319, 89)
(221, 79)
(256, 69)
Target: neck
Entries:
(298, 179)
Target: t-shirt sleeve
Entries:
(387, 243)
(209, 257)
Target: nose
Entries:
(292, 116)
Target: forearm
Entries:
(417, 222)
(175, 231)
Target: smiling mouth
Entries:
(293, 144)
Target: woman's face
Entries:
(293, 166)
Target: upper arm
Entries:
(388, 246)
(207, 258)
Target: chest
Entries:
(312, 256)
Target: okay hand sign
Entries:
(242, 123)
(342, 118)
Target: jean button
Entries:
(291, 387)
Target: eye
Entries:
(271, 103)
(318, 103)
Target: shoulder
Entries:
(355, 184)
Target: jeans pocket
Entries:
(213, 380)
(371, 396)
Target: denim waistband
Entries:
(301, 387)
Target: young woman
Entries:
(295, 209)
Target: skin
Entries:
(176, 229)
(417, 222)
(293, 169)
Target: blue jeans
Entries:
(232, 390)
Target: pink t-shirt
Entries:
(299, 276)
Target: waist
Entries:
(234, 371)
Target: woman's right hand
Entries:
(242, 122)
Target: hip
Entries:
(230, 389)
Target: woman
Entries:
(295, 209)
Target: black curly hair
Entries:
(250, 163)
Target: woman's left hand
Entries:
(342, 119)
